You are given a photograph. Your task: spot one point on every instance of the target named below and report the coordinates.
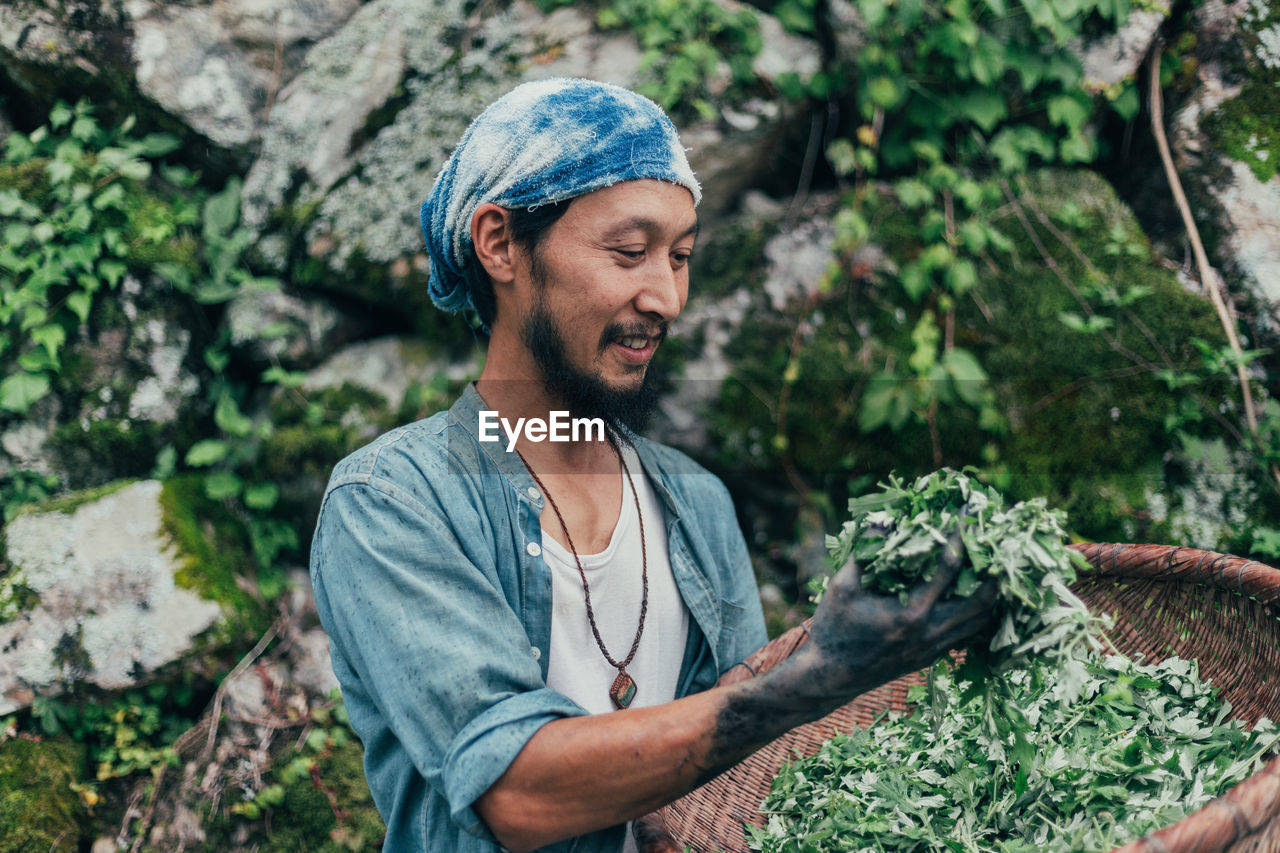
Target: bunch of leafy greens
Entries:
(903, 534)
(1124, 751)
(1037, 741)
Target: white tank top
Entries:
(576, 667)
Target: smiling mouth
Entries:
(633, 342)
(636, 341)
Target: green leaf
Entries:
(220, 485)
(222, 209)
(59, 171)
(1070, 110)
(137, 170)
(913, 193)
(51, 337)
(983, 107)
(19, 391)
(159, 144)
(207, 452)
(261, 496)
(915, 280)
(285, 378)
(883, 92)
(80, 302)
(59, 115)
(969, 377)
(1127, 104)
(229, 418)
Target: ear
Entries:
(490, 234)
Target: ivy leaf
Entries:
(261, 496)
(1070, 110)
(220, 485)
(983, 107)
(229, 418)
(206, 452)
(19, 391)
(80, 301)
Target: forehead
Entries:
(647, 205)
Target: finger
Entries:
(948, 570)
(967, 615)
(850, 576)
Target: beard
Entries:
(585, 393)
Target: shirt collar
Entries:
(465, 412)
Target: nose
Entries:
(665, 290)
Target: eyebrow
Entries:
(649, 226)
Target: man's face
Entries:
(605, 283)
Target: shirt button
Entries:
(534, 493)
(534, 549)
(537, 653)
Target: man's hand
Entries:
(860, 640)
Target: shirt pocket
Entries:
(731, 615)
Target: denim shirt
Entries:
(429, 579)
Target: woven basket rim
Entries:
(1236, 815)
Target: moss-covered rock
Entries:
(329, 811)
(39, 810)
(214, 555)
(1084, 418)
(105, 588)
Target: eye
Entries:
(681, 257)
(631, 254)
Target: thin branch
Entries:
(1209, 278)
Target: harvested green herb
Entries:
(1037, 742)
(901, 535)
(1119, 753)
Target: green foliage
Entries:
(216, 553)
(315, 798)
(22, 487)
(684, 43)
(39, 806)
(1111, 751)
(859, 382)
(72, 222)
(131, 732)
(972, 81)
(1246, 126)
(1064, 750)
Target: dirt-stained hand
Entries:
(860, 640)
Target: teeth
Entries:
(633, 343)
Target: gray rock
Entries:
(387, 366)
(40, 39)
(368, 174)
(132, 381)
(1246, 210)
(798, 258)
(24, 444)
(296, 331)
(309, 661)
(188, 65)
(215, 66)
(108, 611)
(1117, 57)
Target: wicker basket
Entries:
(1221, 610)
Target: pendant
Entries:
(623, 691)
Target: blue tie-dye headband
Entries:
(543, 142)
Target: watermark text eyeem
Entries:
(559, 427)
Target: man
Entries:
(527, 678)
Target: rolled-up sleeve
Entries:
(433, 659)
